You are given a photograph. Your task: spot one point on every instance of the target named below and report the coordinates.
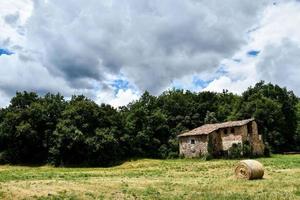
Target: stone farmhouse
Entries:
(221, 137)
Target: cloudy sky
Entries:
(113, 50)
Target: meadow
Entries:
(153, 179)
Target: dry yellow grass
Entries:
(153, 179)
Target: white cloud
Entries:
(19, 75)
(225, 83)
(124, 97)
(279, 22)
(277, 37)
(280, 63)
(4, 100)
(12, 34)
(151, 43)
(80, 47)
(121, 98)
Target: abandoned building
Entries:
(220, 137)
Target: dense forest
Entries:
(48, 129)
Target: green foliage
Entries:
(86, 134)
(274, 109)
(27, 126)
(267, 150)
(246, 149)
(210, 118)
(210, 147)
(297, 135)
(240, 150)
(207, 156)
(235, 151)
(47, 129)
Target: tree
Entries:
(210, 118)
(297, 135)
(40, 129)
(85, 135)
(274, 108)
(26, 126)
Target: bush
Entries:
(243, 151)
(267, 150)
(207, 157)
(173, 155)
(235, 151)
(4, 157)
(163, 151)
(246, 149)
(181, 156)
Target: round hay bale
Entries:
(249, 169)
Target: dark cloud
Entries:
(150, 42)
(12, 19)
(5, 42)
(17, 75)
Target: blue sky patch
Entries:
(221, 70)
(5, 52)
(120, 84)
(253, 53)
(200, 83)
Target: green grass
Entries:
(153, 179)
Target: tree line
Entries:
(48, 129)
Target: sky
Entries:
(113, 50)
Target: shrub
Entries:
(173, 155)
(4, 157)
(246, 149)
(267, 150)
(181, 156)
(235, 151)
(207, 157)
(163, 151)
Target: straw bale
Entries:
(249, 169)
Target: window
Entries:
(232, 130)
(192, 141)
(249, 127)
(225, 131)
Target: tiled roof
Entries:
(208, 128)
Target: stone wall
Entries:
(230, 138)
(221, 140)
(241, 135)
(256, 141)
(189, 150)
(216, 142)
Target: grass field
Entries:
(153, 179)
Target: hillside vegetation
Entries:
(48, 129)
(154, 179)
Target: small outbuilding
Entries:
(216, 139)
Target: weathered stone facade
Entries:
(188, 149)
(221, 137)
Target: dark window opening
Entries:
(192, 141)
(249, 127)
(225, 131)
(232, 130)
